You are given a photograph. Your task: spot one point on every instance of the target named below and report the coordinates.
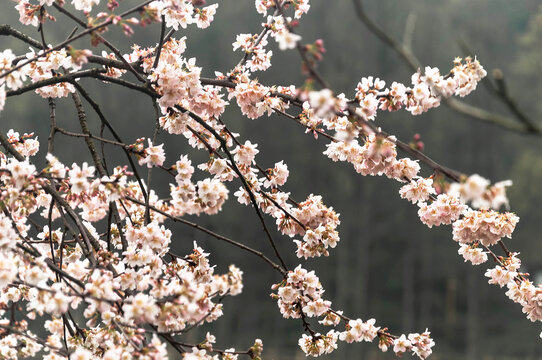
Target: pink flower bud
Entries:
(420, 145)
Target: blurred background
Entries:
(388, 265)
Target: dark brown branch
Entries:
(213, 234)
(104, 121)
(90, 136)
(7, 30)
(405, 53)
(160, 43)
(56, 80)
(52, 130)
(84, 127)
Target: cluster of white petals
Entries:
(325, 103)
(181, 13)
(500, 275)
(478, 191)
(85, 5)
(528, 296)
(176, 78)
(318, 344)
(357, 330)
(377, 156)
(426, 92)
(419, 344)
(418, 190)
(204, 196)
(472, 253)
(25, 145)
(280, 32)
(320, 227)
(277, 176)
(260, 59)
(245, 154)
(484, 226)
(251, 98)
(301, 291)
(45, 67)
(444, 210)
(153, 155)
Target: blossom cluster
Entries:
(48, 66)
(520, 289)
(24, 144)
(419, 344)
(206, 195)
(301, 293)
(176, 78)
(484, 226)
(478, 191)
(169, 296)
(260, 59)
(426, 92)
(377, 156)
(279, 24)
(444, 210)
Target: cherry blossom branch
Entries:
(87, 237)
(264, 173)
(472, 111)
(452, 174)
(73, 38)
(213, 234)
(258, 40)
(160, 43)
(224, 146)
(301, 50)
(56, 80)
(102, 39)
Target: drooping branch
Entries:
(520, 123)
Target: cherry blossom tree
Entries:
(94, 238)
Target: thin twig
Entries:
(213, 234)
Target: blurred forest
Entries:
(388, 265)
